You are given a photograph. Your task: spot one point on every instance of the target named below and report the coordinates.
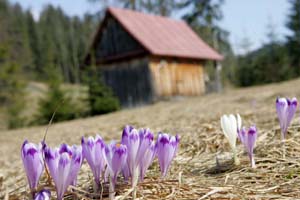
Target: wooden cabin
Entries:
(145, 57)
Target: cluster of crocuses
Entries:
(131, 157)
(63, 163)
(232, 128)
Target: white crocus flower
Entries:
(230, 126)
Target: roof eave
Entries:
(217, 57)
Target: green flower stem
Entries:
(283, 146)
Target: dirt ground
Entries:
(194, 173)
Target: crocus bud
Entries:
(116, 155)
(32, 158)
(63, 164)
(76, 163)
(286, 109)
(146, 139)
(166, 150)
(146, 151)
(126, 131)
(131, 140)
(94, 152)
(248, 138)
(147, 159)
(125, 170)
(231, 126)
(43, 195)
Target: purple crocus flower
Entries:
(146, 151)
(248, 138)
(63, 164)
(116, 155)
(125, 170)
(166, 150)
(147, 159)
(131, 139)
(146, 139)
(43, 195)
(286, 109)
(32, 158)
(93, 151)
(126, 131)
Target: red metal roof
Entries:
(163, 36)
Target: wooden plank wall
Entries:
(177, 77)
(115, 41)
(130, 81)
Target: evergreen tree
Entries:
(19, 39)
(12, 86)
(203, 18)
(101, 98)
(64, 41)
(293, 40)
(275, 58)
(4, 11)
(269, 63)
(56, 101)
(159, 7)
(35, 46)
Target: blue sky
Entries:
(250, 19)
(242, 18)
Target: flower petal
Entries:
(233, 130)
(147, 159)
(33, 162)
(51, 158)
(63, 172)
(242, 134)
(133, 144)
(292, 108)
(226, 124)
(239, 122)
(146, 138)
(76, 162)
(43, 195)
(251, 139)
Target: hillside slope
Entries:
(197, 121)
(35, 91)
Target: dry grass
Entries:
(194, 173)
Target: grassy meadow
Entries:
(202, 168)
